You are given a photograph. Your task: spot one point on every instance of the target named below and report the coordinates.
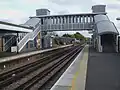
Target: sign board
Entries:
(14, 49)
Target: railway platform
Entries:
(21, 55)
(91, 71)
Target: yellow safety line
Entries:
(73, 87)
(73, 81)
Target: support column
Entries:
(76, 20)
(41, 40)
(91, 19)
(71, 19)
(83, 19)
(99, 44)
(50, 20)
(117, 43)
(60, 23)
(53, 20)
(86, 19)
(17, 43)
(65, 19)
(80, 19)
(1, 44)
(57, 20)
(60, 20)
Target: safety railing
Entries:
(66, 27)
(9, 43)
(27, 37)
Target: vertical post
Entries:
(91, 19)
(79, 19)
(71, 20)
(83, 19)
(41, 40)
(53, 20)
(76, 19)
(68, 20)
(99, 44)
(59, 20)
(3, 43)
(61, 23)
(50, 23)
(86, 19)
(17, 43)
(117, 43)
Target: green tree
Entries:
(77, 35)
(66, 35)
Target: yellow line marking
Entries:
(82, 66)
(73, 82)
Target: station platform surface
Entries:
(74, 78)
(103, 71)
(91, 71)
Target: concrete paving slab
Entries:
(103, 71)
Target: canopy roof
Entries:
(104, 25)
(6, 27)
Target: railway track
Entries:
(7, 74)
(34, 75)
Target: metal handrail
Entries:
(28, 36)
(8, 40)
(8, 44)
(69, 26)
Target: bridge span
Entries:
(104, 38)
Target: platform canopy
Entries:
(106, 27)
(6, 27)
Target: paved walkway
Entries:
(103, 71)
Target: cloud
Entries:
(80, 4)
(63, 12)
(114, 6)
(32, 1)
(13, 16)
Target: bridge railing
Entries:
(66, 27)
(29, 36)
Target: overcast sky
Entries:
(18, 11)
